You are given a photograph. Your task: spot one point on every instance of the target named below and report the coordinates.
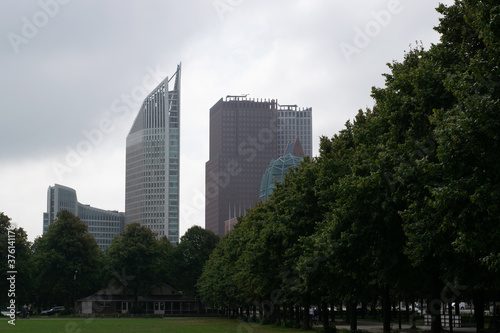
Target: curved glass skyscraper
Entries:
(152, 165)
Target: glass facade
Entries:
(294, 122)
(104, 225)
(276, 172)
(152, 162)
(245, 134)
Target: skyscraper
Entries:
(104, 225)
(242, 142)
(294, 122)
(152, 161)
(245, 135)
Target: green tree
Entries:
(414, 90)
(217, 285)
(187, 259)
(14, 242)
(68, 262)
(469, 132)
(166, 250)
(469, 145)
(258, 266)
(136, 253)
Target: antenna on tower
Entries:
(236, 97)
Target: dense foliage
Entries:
(402, 204)
(66, 263)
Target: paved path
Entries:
(377, 327)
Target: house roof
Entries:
(158, 293)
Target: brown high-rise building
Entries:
(245, 135)
(243, 139)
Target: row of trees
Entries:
(66, 263)
(404, 203)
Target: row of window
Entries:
(289, 121)
(294, 114)
(102, 224)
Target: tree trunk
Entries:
(324, 315)
(386, 309)
(278, 314)
(136, 298)
(434, 305)
(478, 301)
(354, 318)
(297, 315)
(399, 315)
(305, 314)
(373, 309)
(333, 312)
(450, 317)
(413, 315)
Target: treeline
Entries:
(402, 204)
(66, 263)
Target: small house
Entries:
(161, 300)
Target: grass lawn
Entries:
(133, 325)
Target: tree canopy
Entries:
(68, 262)
(410, 188)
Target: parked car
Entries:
(54, 310)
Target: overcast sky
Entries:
(74, 72)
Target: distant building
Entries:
(278, 168)
(242, 142)
(104, 225)
(229, 225)
(153, 161)
(294, 122)
(245, 134)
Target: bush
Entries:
(135, 310)
(330, 329)
(66, 312)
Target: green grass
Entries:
(133, 325)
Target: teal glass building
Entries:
(153, 161)
(278, 168)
